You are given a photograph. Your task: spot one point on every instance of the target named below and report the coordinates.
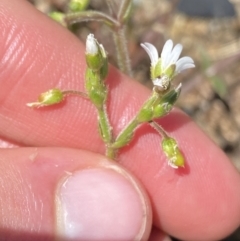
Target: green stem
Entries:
(106, 132)
(104, 126)
(126, 134)
(159, 129)
(90, 15)
(123, 58)
(110, 152)
(111, 6)
(124, 10)
(75, 92)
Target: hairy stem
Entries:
(159, 129)
(75, 92)
(104, 126)
(90, 15)
(124, 10)
(123, 58)
(111, 152)
(126, 134)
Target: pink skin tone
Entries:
(198, 202)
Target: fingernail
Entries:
(100, 204)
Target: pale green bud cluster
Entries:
(171, 150)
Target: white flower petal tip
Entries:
(179, 87)
(170, 56)
(91, 45)
(184, 63)
(151, 51)
(172, 165)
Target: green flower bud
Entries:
(95, 53)
(171, 150)
(78, 5)
(166, 103)
(172, 96)
(51, 97)
(58, 17)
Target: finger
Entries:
(158, 235)
(73, 195)
(204, 195)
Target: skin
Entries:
(198, 202)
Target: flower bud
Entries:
(166, 103)
(171, 150)
(78, 5)
(58, 17)
(95, 53)
(51, 97)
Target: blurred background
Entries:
(209, 31)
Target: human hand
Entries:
(199, 202)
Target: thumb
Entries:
(49, 193)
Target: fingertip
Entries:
(106, 198)
(72, 195)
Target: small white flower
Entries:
(91, 45)
(169, 58)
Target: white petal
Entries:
(167, 48)
(185, 59)
(184, 63)
(177, 50)
(179, 87)
(151, 51)
(172, 165)
(91, 45)
(185, 66)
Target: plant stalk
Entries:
(123, 58)
(159, 129)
